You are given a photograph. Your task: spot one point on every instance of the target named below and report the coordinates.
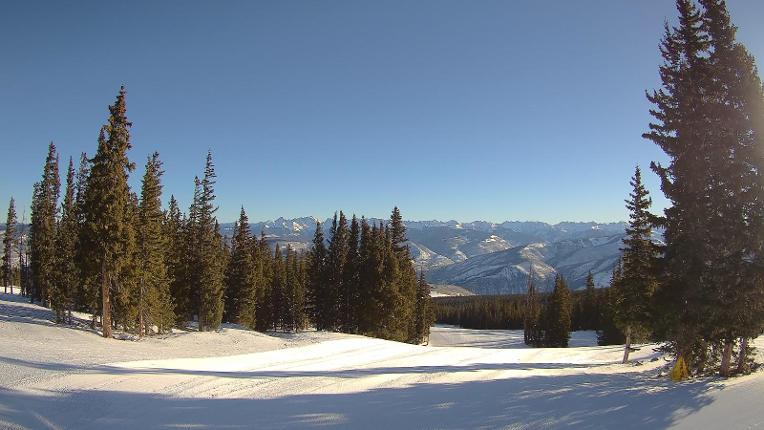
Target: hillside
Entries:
(57, 377)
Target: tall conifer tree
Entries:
(8, 241)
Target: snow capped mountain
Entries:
(506, 272)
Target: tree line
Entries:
(135, 267)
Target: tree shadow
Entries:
(571, 401)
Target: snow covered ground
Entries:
(59, 378)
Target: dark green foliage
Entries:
(240, 293)
(335, 271)
(107, 232)
(67, 275)
(155, 308)
(176, 259)
(532, 315)
(608, 332)
(424, 314)
(8, 245)
(708, 121)
(42, 234)
(349, 294)
(207, 253)
(637, 283)
(318, 303)
(556, 316)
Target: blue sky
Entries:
(489, 110)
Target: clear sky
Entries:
(489, 110)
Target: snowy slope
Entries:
(341, 382)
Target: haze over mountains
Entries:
(488, 258)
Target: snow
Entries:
(57, 377)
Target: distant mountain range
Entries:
(488, 258)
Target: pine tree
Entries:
(176, 259)
(589, 305)
(350, 281)
(317, 281)
(424, 314)
(208, 253)
(336, 260)
(67, 273)
(108, 203)
(637, 283)
(736, 216)
(558, 312)
(81, 293)
(241, 294)
(276, 298)
(42, 234)
(155, 301)
(532, 314)
(370, 274)
(8, 242)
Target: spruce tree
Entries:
(155, 301)
(317, 281)
(240, 293)
(532, 314)
(208, 252)
(67, 273)
(42, 234)
(735, 102)
(637, 282)
(176, 258)
(108, 203)
(8, 242)
(589, 305)
(350, 281)
(276, 297)
(336, 260)
(424, 314)
(558, 312)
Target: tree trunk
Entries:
(105, 305)
(724, 369)
(742, 365)
(627, 346)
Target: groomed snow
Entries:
(54, 377)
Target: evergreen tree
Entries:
(8, 242)
(370, 275)
(240, 295)
(208, 252)
(637, 282)
(424, 315)
(67, 273)
(176, 258)
(736, 216)
(108, 203)
(589, 306)
(81, 293)
(532, 318)
(317, 281)
(336, 260)
(350, 282)
(155, 301)
(557, 318)
(43, 229)
(276, 298)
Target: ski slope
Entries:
(63, 378)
